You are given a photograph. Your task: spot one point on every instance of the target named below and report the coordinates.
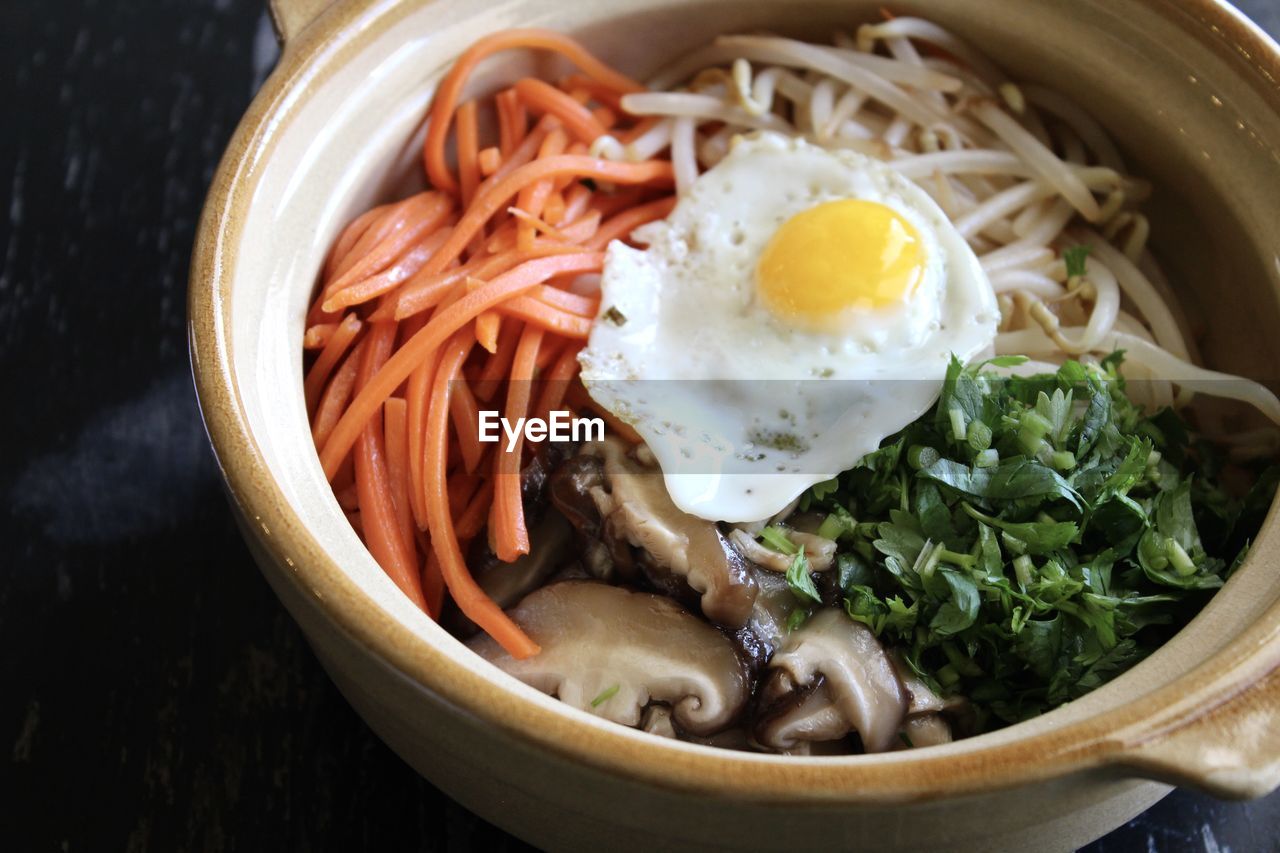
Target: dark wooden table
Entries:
(153, 694)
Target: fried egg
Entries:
(797, 307)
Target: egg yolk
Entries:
(837, 256)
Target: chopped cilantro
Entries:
(1031, 537)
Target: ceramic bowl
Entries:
(1192, 92)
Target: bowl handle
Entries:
(291, 17)
(1230, 748)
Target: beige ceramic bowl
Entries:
(1190, 88)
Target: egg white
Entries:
(743, 411)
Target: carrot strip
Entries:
(513, 123)
(545, 98)
(467, 139)
(377, 507)
(576, 199)
(417, 390)
(506, 518)
(415, 219)
(547, 317)
(433, 585)
(473, 518)
(466, 424)
(347, 498)
(349, 237)
(594, 89)
(620, 226)
(489, 199)
(487, 326)
(395, 425)
(496, 367)
(574, 303)
(390, 278)
(471, 600)
(336, 397)
(489, 159)
(531, 198)
(333, 351)
(556, 382)
(315, 337)
(446, 97)
(429, 291)
(460, 487)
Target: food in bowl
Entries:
(894, 436)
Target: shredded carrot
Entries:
(446, 97)
(471, 600)
(544, 98)
(395, 424)
(556, 382)
(431, 306)
(620, 226)
(337, 394)
(468, 150)
(507, 529)
(318, 335)
(391, 277)
(473, 518)
(373, 483)
(547, 317)
(499, 363)
(333, 351)
(489, 159)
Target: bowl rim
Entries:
(1099, 740)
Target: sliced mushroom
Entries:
(657, 721)
(767, 625)
(820, 550)
(571, 486)
(637, 510)
(862, 691)
(924, 730)
(610, 651)
(507, 583)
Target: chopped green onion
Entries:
(1024, 569)
(837, 524)
(1074, 257)
(959, 423)
(1179, 558)
(777, 539)
(1031, 432)
(921, 456)
(979, 436)
(605, 695)
(988, 458)
(1063, 460)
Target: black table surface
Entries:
(153, 693)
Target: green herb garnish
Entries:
(1031, 537)
(614, 316)
(801, 582)
(605, 695)
(777, 539)
(1074, 257)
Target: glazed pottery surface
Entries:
(1191, 92)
